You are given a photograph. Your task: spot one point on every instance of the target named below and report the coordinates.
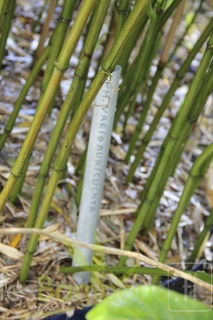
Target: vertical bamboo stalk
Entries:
(172, 144)
(107, 67)
(122, 9)
(196, 174)
(60, 66)
(3, 4)
(167, 98)
(74, 95)
(9, 10)
(55, 43)
(129, 96)
(9, 126)
(58, 38)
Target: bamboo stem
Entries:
(196, 174)
(177, 135)
(58, 39)
(164, 105)
(60, 65)
(9, 8)
(9, 126)
(107, 67)
(74, 95)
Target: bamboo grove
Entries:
(140, 28)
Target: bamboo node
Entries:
(144, 141)
(42, 176)
(121, 11)
(66, 21)
(209, 46)
(158, 10)
(78, 76)
(57, 169)
(60, 68)
(16, 175)
(192, 120)
(195, 175)
(148, 201)
(30, 251)
(173, 138)
(87, 55)
(108, 73)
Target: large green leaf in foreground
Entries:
(149, 302)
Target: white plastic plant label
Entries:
(96, 162)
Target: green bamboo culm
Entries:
(115, 270)
(199, 103)
(127, 271)
(209, 221)
(3, 5)
(122, 9)
(7, 11)
(14, 197)
(196, 174)
(32, 77)
(207, 227)
(81, 72)
(129, 96)
(189, 25)
(150, 47)
(138, 70)
(143, 89)
(79, 169)
(72, 100)
(60, 66)
(160, 5)
(58, 39)
(107, 67)
(62, 24)
(120, 13)
(140, 123)
(61, 29)
(180, 74)
(161, 65)
(124, 61)
(80, 80)
(180, 129)
(164, 165)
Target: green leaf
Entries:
(149, 302)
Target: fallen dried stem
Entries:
(56, 236)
